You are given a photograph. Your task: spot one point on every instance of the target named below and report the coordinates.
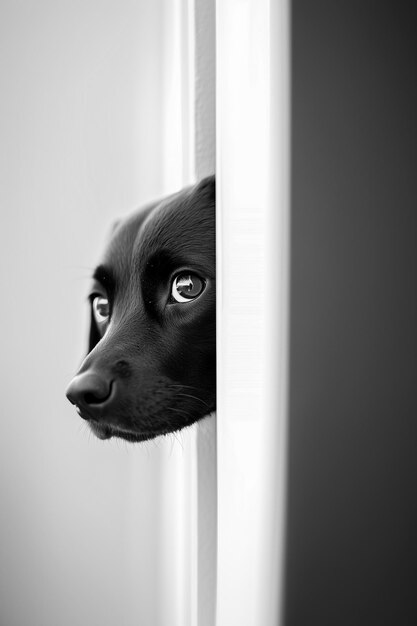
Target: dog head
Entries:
(151, 365)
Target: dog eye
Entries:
(101, 309)
(186, 287)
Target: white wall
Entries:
(81, 87)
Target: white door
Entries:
(253, 272)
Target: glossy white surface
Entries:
(253, 261)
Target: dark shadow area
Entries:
(352, 506)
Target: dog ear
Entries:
(207, 188)
(94, 336)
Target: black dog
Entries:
(151, 367)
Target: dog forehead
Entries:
(183, 223)
(118, 252)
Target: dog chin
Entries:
(101, 431)
(105, 431)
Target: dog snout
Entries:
(89, 391)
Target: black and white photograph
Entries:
(208, 228)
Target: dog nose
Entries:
(88, 389)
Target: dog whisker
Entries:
(178, 439)
(176, 410)
(183, 386)
(188, 395)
